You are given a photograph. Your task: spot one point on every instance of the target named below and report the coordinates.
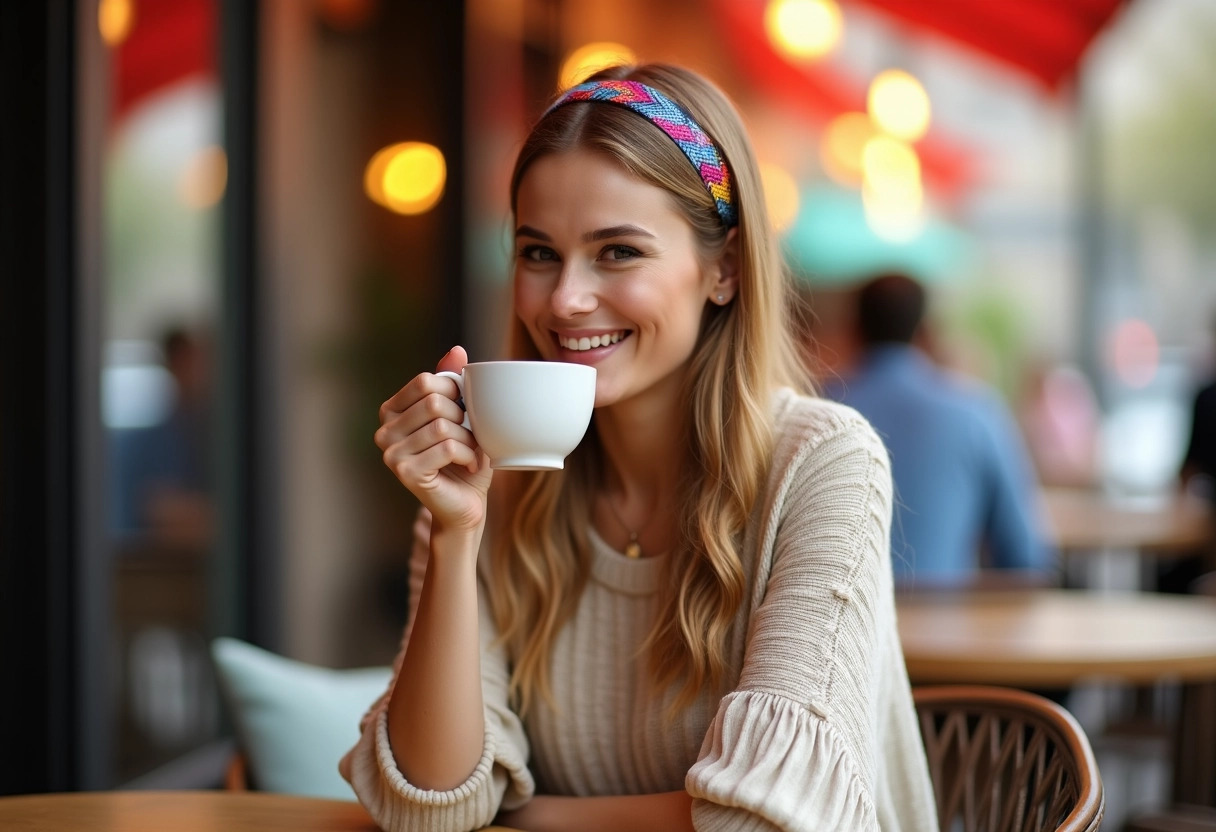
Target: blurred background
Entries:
(231, 229)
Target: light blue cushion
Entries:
(294, 720)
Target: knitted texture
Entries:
(816, 731)
(669, 117)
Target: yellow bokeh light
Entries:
(803, 29)
(780, 195)
(115, 19)
(895, 217)
(899, 105)
(204, 179)
(590, 59)
(842, 144)
(406, 178)
(892, 194)
(889, 165)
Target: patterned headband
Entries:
(669, 117)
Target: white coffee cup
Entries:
(526, 415)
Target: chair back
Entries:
(1005, 760)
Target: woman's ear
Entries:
(726, 271)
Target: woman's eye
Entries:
(537, 253)
(620, 253)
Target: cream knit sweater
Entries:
(818, 731)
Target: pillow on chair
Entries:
(294, 720)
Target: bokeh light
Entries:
(115, 19)
(204, 178)
(1133, 352)
(892, 192)
(889, 165)
(406, 178)
(780, 195)
(899, 105)
(842, 144)
(590, 59)
(803, 29)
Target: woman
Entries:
(692, 625)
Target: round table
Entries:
(1049, 638)
(1086, 520)
(1057, 638)
(181, 812)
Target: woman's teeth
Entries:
(580, 344)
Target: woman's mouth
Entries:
(585, 343)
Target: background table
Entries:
(1057, 638)
(181, 812)
(1118, 542)
(1088, 520)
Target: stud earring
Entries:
(721, 298)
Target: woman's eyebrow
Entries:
(590, 236)
(529, 231)
(616, 231)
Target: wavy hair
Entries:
(541, 554)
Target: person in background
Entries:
(965, 493)
(1198, 472)
(163, 471)
(693, 624)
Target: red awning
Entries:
(170, 41)
(1042, 38)
(820, 94)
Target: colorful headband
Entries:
(669, 117)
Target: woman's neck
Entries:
(643, 459)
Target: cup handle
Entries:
(459, 379)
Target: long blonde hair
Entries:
(541, 555)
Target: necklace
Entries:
(633, 549)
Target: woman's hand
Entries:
(428, 450)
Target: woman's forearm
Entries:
(436, 724)
(666, 812)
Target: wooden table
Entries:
(1086, 520)
(181, 812)
(1057, 638)
(1050, 638)
(1110, 542)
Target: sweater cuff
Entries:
(768, 762)
(396, 804)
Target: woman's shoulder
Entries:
(802, 423)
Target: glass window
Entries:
(163, 174)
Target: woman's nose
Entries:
(574, 293)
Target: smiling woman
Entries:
(692, 624)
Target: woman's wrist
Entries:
(455, 544)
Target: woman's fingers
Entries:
(432, 407)
(419, 387)
(419, 469)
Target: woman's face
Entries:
(607, 273)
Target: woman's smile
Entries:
(608, 274)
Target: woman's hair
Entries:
(541, 555)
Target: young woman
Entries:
(692, 625)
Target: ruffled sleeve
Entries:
(769, 763)
(501, 778)
(796, 745)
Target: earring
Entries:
(721, 298)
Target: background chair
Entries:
(1005, 760)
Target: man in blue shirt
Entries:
(965, 495)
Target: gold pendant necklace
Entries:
(633, 549)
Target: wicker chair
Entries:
(1005, 760)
